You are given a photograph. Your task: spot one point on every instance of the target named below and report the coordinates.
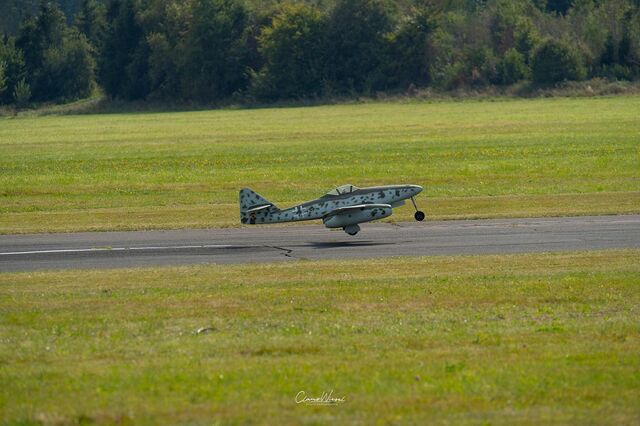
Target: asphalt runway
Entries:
(286, 243)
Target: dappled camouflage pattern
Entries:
(354, 205)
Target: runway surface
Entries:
(285, 243)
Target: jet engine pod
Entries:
(357, 214)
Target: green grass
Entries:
(484, 339)
(173, 170)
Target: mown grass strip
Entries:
(184, 169)
(516, 338)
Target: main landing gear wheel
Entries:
(351, 229)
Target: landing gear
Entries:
(351, 229)
(419, 215)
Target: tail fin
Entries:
(254, 205)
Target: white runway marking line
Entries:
(97, 249)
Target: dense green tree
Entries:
(610, 53)
(554, 62)
(559, 6)
(526, 38)
(164, 74)
(630, 42)
(165, 23)
(625, 50)
(464, 53)
(69, 69)
(13, 12)
(292, 47)
(617, 59)
(357, 34)
(503, 25)
(410, 51)
(211, 50)
(123, 63)
(216, 54)
(91, 21)
(36, 35)
(58, 64)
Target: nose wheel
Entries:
(419, 215)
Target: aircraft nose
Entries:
(415, 189)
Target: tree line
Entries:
(212, 50)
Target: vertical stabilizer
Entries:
(254, 206)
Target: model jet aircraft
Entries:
(344, 207)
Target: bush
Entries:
(14, 71)
(481, 66)
(513, 67)
(616, 72)
(554, 62)
(450, 76)
(3, 77)
(22, 94)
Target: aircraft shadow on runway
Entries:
(345, 244)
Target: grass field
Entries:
(173, 170)
(487, 339)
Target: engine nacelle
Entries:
(360, 214)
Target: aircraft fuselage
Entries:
(393, 195)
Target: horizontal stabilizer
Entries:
(259, 208)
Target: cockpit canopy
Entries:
(341, 190)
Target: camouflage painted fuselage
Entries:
(254, 209)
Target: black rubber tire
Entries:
(419, 216)
(352, 234)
